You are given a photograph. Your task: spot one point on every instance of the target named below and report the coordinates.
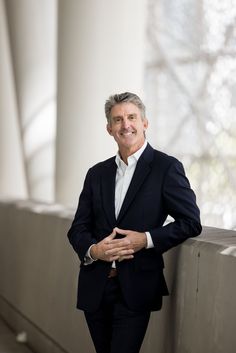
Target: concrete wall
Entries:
(38, 279)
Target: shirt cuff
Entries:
(149, 241)
(88, 258)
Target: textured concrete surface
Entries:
(8, 342)
(38, 286)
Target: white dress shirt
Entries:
(124, 175)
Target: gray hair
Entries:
(126, 97)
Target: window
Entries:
(190, 86)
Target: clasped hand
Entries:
(112, 249)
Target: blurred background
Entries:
(60, 60)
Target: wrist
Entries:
(93, 252)
(145, 242)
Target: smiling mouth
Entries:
(128, 133)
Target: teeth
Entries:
(127, 133)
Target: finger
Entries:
(121, 231)
(112, 243)
(112, 258)
(118, 243)
(110, 237)
(119, 251)
(125, 253)
(127, 257)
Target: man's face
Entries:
(127, 126)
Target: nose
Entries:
(125, 123)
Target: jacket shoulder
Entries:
(100, 166)
(164, 160)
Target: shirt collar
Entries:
(131, 159)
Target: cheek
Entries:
(114, 134)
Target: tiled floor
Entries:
(8, 343)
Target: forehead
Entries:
(122, 109)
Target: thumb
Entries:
(112, 235)
(121, 231)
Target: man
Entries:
(118, 230)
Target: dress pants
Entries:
(115, 328)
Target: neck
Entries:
(125, 153)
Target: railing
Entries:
(38, 283)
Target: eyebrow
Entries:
(121, 116)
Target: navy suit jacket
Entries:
(158, 188)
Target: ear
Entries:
(109, 129)
(145, 124)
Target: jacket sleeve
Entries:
(80, 233)
(180, 203)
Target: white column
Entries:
(100, 52)
(32, 28)
(12, 174)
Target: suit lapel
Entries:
(142, 170)
(108, 191)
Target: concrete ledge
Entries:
(39, 271)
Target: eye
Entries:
(132, 117)
(117, 119)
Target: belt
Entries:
(112, 273)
